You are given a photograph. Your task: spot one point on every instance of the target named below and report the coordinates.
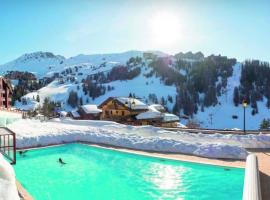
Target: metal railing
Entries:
(8, 144)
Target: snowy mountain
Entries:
(39, 63)
(184, 83)
(45, 63)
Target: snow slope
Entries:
(35, 133)
(38, 63)
(222, 113)
(141, 86)
(43, 63)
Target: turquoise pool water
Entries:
(97, 174)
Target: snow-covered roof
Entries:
(153, 113)
(157, 107)
(133, 103)
(91, 108)
(75, 114)
(63, 113)
(170, 117)
(150, 114)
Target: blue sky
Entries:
(236, 28)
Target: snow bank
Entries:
(8, 189)
(36, 133)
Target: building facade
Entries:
(5, 94)
(86, 112)
(122, 109)
(134, 112)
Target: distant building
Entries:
(135, 112)
(5, 93)
(87, 112)
(122, 109)
(157, 116)
(75, 115)
(127, 110)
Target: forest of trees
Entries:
(27, 82)
(203, 82)
(254, 85)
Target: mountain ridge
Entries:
(201, 87)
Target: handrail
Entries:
(252, 188)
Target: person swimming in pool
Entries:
(22, 153)
(61, 161)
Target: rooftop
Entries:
(91, 109)
(132, 103)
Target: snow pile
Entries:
(244, 141)
(8, 189)
(35, 133)
(8, 117)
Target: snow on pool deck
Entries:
(33, 133)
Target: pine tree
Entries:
(81, 101)
(38, 98)
(48, 107)
(236, 96)
(265, 124)
(73, 99)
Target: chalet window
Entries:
(111, 112)
(107, 112)
(117, 112)
(123, 113)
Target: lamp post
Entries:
(244, 103)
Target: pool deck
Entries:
(24, 195)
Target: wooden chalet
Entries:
(157, 116)
(122, 109)
(5, 93)
(135, 112)
(87, 112)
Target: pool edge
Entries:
(24, 195)
(161, 155)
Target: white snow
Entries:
(150, 114)
(90, 108)
(155, 112)
(156, 107)
(75, 114)
(8, 189)
(170, 117)
(133, 103)
(8, 117)
(35, 133)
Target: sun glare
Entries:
(165, 28)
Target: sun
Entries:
(165, 28)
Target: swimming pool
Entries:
(97, 174)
